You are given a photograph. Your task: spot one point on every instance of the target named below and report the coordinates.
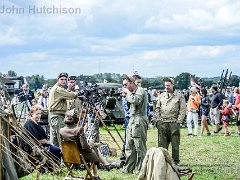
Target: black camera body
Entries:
(90, 94)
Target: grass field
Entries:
(212, 158)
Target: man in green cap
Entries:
(136, 135)
(171, 110)
(73, 104)
(57, 107)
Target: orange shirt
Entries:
(193, 102)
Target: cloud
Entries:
(205, 16)
(163, 37)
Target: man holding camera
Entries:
(26, 95)
(57, 107)
(136, 135)
(75, 104)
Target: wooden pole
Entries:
(1, 155)
(106, 128)
(8, 127)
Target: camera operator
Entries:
(57, 106)
(26, 94)
(75, 104)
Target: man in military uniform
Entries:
(136, 136)
(57, 107)
(75, 104)
(171, 110)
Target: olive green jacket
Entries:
(171, 107)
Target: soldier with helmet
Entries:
(57, 106)
(171, 110)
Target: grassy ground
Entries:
(212, 158)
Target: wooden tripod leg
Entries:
(69, 170)
(86, 166)
(191, 176)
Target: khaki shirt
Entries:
(75, 104)
(58, 97)
(171, 107)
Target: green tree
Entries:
(35, 81)
(234, 81)
(12, 73)
(51, 82)
(182, 81)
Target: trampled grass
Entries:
(211, 157)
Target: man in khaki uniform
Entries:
(75, 104)
(171, 110)
(57, 107)
(136, 136)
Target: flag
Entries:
(193, 83)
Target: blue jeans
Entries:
(54, 150)
(126, 121)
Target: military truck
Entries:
(19, 81)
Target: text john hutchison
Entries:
(33, 9)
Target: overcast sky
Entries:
(155, 37)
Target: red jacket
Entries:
(237, 101)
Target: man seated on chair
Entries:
(71, 132)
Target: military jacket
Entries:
(171, 107)
(137, 126)
(138, 102)
(58, 97)
(75, 104)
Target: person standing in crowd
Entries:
(76, 103)
(138, 80)
(57, 106)
(171, 110)
(205, 108)
(26, 95)
(215, 107)
(125, 106)
(136, 138)
(43, 99)
(193, 108)
(229, 95)
(237, 108)
(186, 94)
(154, 99)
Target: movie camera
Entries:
(105, 97)
(91, 94)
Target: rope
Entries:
(7, 150)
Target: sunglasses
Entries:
(125, 85)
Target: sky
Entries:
(154, 38)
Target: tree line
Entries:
(181, 81)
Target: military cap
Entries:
(130, 78)
(72, 78)
(63, 74)
(168, 79)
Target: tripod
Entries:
(24, 110)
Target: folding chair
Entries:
(71, 156)
(186, 172)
